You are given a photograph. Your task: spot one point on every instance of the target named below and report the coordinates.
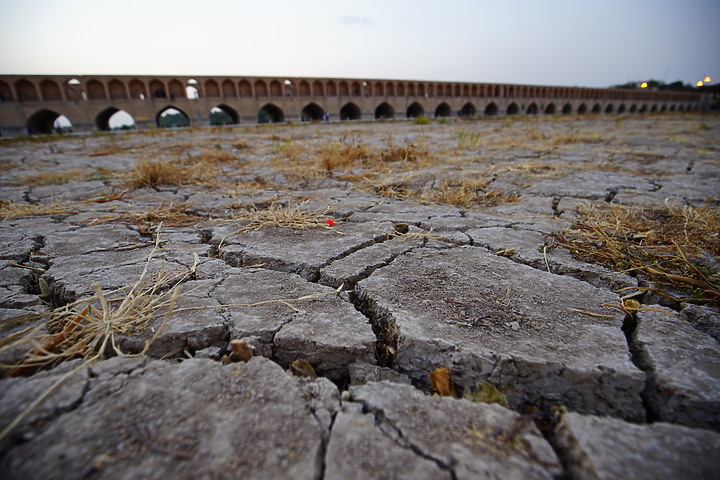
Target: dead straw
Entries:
(675, 246)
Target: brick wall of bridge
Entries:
(31, 103)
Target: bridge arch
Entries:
(318, 90)
(5, 92)
(331, 89)
(26, 91)
(443, 110)
(276, 89)
(104, 118)
(117, 90)
(468, 110)
(176, 90)
(304, 88)
(228, 89)
(168, 110)
(384, 111)
(271, 113)
(567, 109)
(550, 109)
(231, 115)
(582, 109)
(245, 89)
(609, 108)
(350, 111)
(137, 89)
(532, 109)
(157, 89)
(192, 92)
(50, 91)
(260, 89)
(73, 90)
(311, 112)
(513, 109)
(621, 108)
(95, 90)
(212, 89)
(596, 108)
(42, 121)
(415, 110)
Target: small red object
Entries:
(330, 222)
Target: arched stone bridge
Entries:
(32, 103)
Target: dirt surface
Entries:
(461, 299)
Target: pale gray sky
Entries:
(550, 42)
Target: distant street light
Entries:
(699, 83)
(707, 80)
(644, 85)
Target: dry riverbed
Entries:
(520, 297)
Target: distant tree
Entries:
(627, 85)
(219, 117)
(173, 120)
(656, 85)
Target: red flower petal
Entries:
(330, 222)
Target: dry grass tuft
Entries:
(291, 149)
(463, 192)
(151, 173)
(342, 155)
(677, 246)
(60, 178)
(215, 155)
(277, 215)
(172, 214)
(87, 328)
(468, 141)
(147, 173)
(574, 137)
(9, 209)
(409, 152)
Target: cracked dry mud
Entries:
(436, 257)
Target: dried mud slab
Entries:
(608, 448)
(469, 440)
(490, 319)
(194, 419)
(683, 366)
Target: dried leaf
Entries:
(241, 351)
(486, 393)
(442, 384)
(302, 368)
(631, 304)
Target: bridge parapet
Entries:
(32, 103)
